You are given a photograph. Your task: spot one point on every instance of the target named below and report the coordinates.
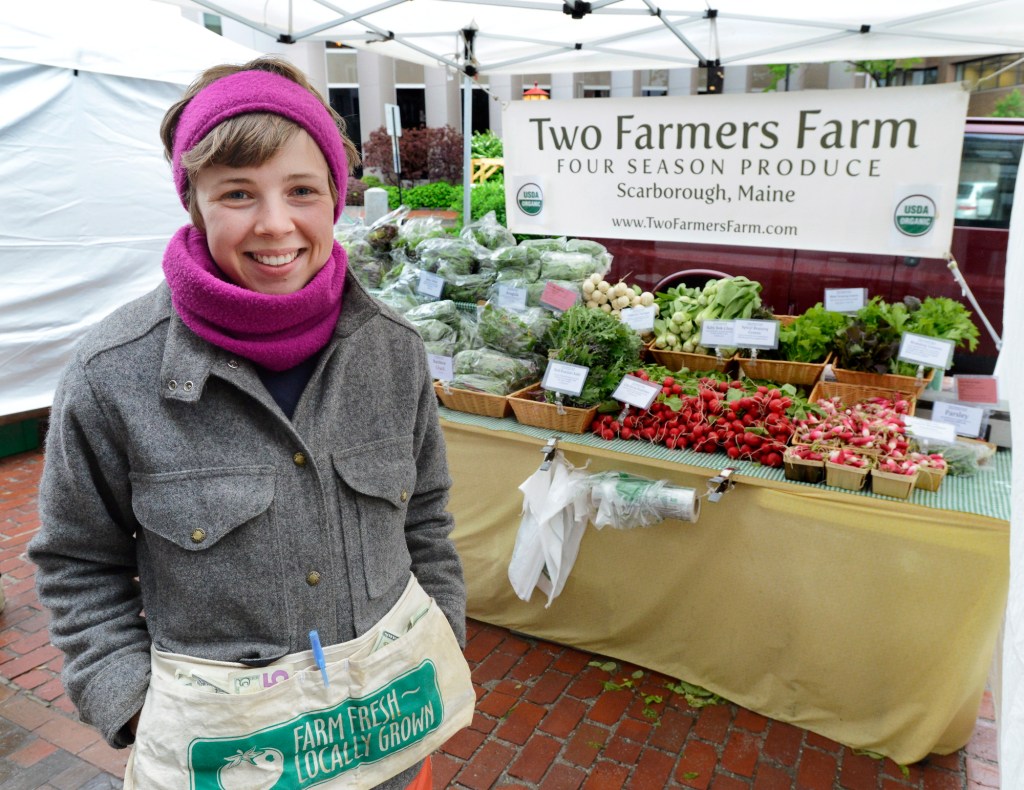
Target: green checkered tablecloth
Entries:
(985, 494)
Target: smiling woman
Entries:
(251, 455)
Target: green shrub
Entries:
(488, 196)
(436, 195)
(486, 145)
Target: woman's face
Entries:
(270, 228)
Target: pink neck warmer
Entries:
(277, 331)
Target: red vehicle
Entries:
(794, 280)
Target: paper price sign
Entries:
(718, 334)
(511, 297)
(845, 300)
(430, 285)
(921, 428)
(555, 297)
(757, 334)
(966, 420)
(441, 368)
(636, 392)
(565, 377)
(639, 319)
(977, 389)
(932, 352)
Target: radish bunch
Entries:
(846, 456)
(897, 465)
(748, 422)
(871, 424)
(928, 460)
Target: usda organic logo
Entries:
(915, 215)
(530, 199)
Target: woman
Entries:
(246, 464)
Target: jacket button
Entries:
(299, 459)
(172, 385)
(188, 386)
(405, 495)
(313, 578)
(232, 363)
(198, 535)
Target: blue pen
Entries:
(318, 656)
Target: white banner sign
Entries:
(871, 171)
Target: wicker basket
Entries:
(802, 469)
(889, 381)
(851, 393)
(929, 478)
(541, 414)
(698, 363)
(893, 484)
(482, 403)
(852, 478)
(799, 374)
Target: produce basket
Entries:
(482, 403)
(799, 374)
(889, 381)
(929, 478)
(893, 484)
(802, 469)
(698, 363)
(852, 478)
(851, 393)
(541, 414)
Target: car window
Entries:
(988, 174)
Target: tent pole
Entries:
(467, 157)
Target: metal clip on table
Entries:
(720, 483)
(549, 453)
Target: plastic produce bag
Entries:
(488, 232)
(625, 501)
(555, 514)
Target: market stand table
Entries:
(869, 620)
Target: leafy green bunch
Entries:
(811, 336)
(599, 341)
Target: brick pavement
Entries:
(547, 717)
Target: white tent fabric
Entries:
(527, 36)
(87, 196)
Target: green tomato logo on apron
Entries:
(321, 745)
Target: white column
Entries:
(441, 89)
(625, 84)
(683, 82)
(737, 80)
(507, 88)
(563, 86)
(841, 75)
(376, 88)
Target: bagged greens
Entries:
(488, 232)
(514, 332)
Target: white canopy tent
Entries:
(88, 202)
(78, 236)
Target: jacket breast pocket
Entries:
(210, 560)
(377, 482)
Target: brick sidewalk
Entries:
(546, 718)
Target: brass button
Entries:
(299, 459)
(198, 535)
(313, 578)
(405, 495)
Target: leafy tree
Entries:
(1010, 106)
(882, 71)
(778, 72)
(433, 154)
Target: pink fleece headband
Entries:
(259, 91)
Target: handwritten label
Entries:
(966, 420)
(556, 297)
(565, 377)
(511, 297)
(757, 333)
(442, 368)
(845, 300)
(930, 429)
(636, 392)
(718, 334)
(639, 319)
(430, 284)
(932, 352)
(977, 389)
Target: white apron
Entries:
(396, 694)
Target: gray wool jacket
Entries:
(174, 485)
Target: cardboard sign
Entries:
(966, 420)
(565, 377)
(639, 319)
(511, 297)
(555, 297)
(718, 334)
(636, 392)
(932, 352)
(977, 389)
(441, 368)
(845, 300)
(760, 334)
(430, 285)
